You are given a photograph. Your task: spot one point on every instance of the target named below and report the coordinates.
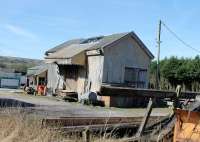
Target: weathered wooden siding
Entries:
(79, 59)
(73, 81)
(71, 76)
(125, 53)
(81, 80)
(95, 67)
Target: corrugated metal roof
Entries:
(69, 50)
(37, 70)
(63, 45)
(106, 40)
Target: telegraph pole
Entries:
(158, 57)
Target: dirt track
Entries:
(52, 107)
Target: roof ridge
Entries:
(86, 44)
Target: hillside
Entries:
(17, 64)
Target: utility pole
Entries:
(158, 57)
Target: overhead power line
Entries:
(178, 38)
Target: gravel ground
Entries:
(53, 107)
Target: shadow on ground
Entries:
(14, 103)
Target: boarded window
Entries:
(142, 78)
(130, 75)
(135, 77)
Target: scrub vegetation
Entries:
(174, 71)
(17, 126)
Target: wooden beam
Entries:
(145, 119)
(83, 121)
(107, 90)
(158, 58)
(96, 128)
(176, 98)
(86, 135)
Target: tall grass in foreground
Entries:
(16, 126)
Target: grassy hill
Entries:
(18, 64)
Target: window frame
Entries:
(137, 82)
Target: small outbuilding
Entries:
(37, 76)
(84, 65)
(10, 79)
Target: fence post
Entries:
(86, 135)
(176, 100)
(145, 119)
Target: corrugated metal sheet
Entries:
(55, 81)
(70, 51)
(73, 49)
(9, 83)
(37, 70)
(9, 74)
(63, 45)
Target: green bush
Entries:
(174, 71)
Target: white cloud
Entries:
(20, 31)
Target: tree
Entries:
(185, 71)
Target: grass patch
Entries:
(17, 126)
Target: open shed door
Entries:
(71, 77)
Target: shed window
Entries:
(130, 75)
(135, 77)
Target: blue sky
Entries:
(30, 27)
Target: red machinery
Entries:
(41, 89)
